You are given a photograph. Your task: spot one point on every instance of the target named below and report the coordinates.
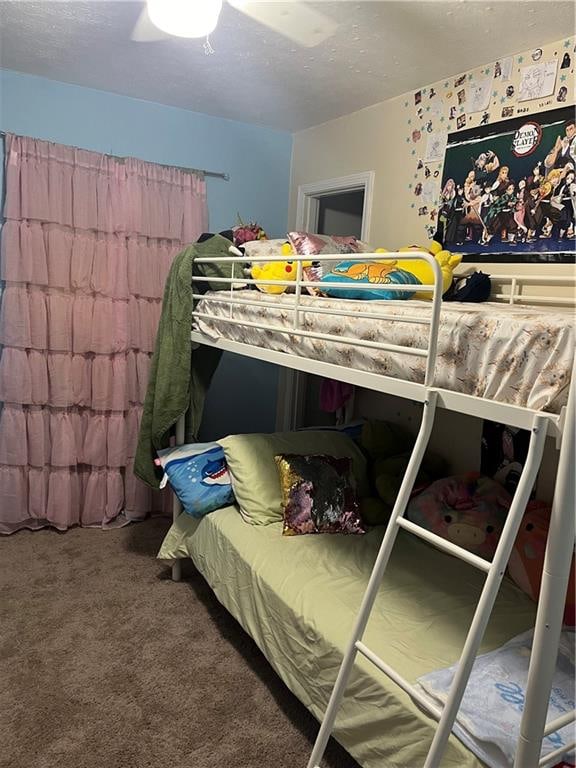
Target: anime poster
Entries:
(509, 190)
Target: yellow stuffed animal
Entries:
(423, 271)
(276, 270)
(273, 270)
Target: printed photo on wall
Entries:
(509, 190)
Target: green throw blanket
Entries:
(179, 375)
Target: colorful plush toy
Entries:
(527, 558)
(423, 271)
(276, 270)
(468, 510)
(388, 448)
(273, 270)
(349, 274)
(244, 233)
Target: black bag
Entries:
(476, 287)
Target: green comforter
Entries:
(298, 597)
(179, 374)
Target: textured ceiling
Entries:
(379, 50)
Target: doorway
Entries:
(339, 201)
(341, 213)
(340, 206)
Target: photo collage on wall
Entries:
(484, 130)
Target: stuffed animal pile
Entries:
(393, 271)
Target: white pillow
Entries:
(265, 248)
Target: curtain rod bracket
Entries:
(217, 175)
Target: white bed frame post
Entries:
(555, 577)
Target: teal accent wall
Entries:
(243, 394)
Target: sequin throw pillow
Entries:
(318, 495)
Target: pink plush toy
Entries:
(468, 510)
(527, 558)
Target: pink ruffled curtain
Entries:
(86, 246)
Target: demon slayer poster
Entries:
(509, 191)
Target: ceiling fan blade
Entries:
(295, 20)
(145, 31)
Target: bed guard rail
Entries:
(556, 291)
(301, 303)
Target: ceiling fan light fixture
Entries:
(185, 18)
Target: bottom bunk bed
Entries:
(305, 599)
(298, 597)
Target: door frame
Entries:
(309, 195)
(291, 383)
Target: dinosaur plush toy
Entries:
(388, 447)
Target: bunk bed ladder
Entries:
(494, 572)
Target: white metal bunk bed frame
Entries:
(560, 543)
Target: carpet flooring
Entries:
(107, 663)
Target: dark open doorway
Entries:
(341, 213)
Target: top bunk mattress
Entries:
(495, 351)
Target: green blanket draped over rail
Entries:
(179, 374)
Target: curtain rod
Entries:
(213, 174)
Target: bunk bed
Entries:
(398, 598)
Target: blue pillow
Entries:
(199, 477)
(350, 273)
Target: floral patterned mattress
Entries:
(510, 354)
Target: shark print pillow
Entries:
(199, 477)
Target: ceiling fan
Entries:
(299, 22)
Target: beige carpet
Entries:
(106, 663)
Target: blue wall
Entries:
(258, 159)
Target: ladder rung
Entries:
(553, 757)
(445, 545)
(407, 687)
(560, 722)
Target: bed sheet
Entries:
(298, 597)
(510, 354)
